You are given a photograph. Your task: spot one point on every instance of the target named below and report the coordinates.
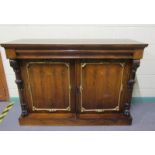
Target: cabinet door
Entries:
(101, 85)
(49, 86)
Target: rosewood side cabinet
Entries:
(75, 82)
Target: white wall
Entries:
(145, 85)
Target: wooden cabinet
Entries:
(75, 82)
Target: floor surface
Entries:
(143, 119)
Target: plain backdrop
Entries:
(145, 79)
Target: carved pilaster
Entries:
(127, 109)
(15, 65)
(135, 65)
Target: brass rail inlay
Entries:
(121, 88)
(30, 89)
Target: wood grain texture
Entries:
(4, 94)
(101, 86)
(51, 88)
(59, 120)
(11, 53)
(75, 82)
(72, 54)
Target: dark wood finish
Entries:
(50, 119)
(106, 89)
(51, 88)
(135, 65)
(15, 65)
(75, 44)
(4, 94)
(75, 82)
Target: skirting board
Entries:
(135, 100)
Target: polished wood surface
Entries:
(4, 94)
(75, 44)
(51, 87)
(61, 119)
(49, 42)
(106, 89)
(75, 82)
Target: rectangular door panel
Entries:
(49, 85)
(101, 86)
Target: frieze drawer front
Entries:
(75, 82)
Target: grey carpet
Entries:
(143, 119)
(3, 105)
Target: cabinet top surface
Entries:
(74, 43)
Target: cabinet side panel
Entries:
(125, 92)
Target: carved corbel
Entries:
(15, 65)
(131, 82)
(135, 65)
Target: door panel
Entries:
(50, 86)
(101, 86)
(4, 95)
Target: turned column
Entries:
(15, 65)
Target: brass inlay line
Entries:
(50, 110)
(121, 88)
(30, 89)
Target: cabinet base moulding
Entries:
(58, 120)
